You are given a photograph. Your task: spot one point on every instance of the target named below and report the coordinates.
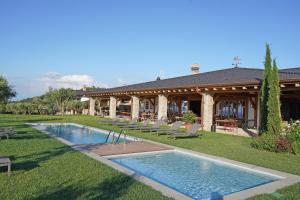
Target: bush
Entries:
(189, 117)
(265, 142)
(293, 132)
(296, 147)
(283, 144)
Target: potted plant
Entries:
(189, 118)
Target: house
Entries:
(222, 98)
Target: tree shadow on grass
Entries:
(32, 161)
(25, 165)
(109, 189)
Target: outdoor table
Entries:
(229, 124)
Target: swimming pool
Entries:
(192, 175)
(77, 134)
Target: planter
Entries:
(188, 125)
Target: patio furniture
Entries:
(191, 133)
(7, 132)
(108, 121)
(138, 126)
(124, 124)
(176, 125)
(155, 127)
(228, 124)
(5, 162)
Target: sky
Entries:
(108, 43)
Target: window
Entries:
(147, 105)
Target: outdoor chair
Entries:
(5, 162)
(138, 126)
(153, 128)
(192, 132)
(108, 121)
(124, 124)
(7, 132)
(172, 129)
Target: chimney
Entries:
(195, 68)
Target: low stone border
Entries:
(285, 179)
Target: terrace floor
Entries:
(124, 148)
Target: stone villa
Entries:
(223, 98)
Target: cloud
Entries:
(28, 87)
(74, 81)
(122, 82)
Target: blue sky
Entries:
(115, 42)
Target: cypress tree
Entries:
(265, 90)
(274, 114)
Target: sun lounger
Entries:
(192, 132)
(5, 162)
(7, 132)
(124, 124)
(153, 128)
(108, 121)
(138, 126)
(172, 129)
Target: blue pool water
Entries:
(76, 134)
(193, 176)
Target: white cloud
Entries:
(29, 87)
(122, 82)
(74, 81)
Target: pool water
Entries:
(193, 176)
(77, 134)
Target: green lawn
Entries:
(23, 151)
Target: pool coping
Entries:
(285, 179)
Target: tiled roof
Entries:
(230, 76)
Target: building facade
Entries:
(218, 98)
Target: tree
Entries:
(6, 92)
(75, 105)
(274, 114)
(265, 90)
(60, 97)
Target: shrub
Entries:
(296, 147)
(265, 142)
(293, 132)
(282, 144)
(189, 117)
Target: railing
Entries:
(108, 136)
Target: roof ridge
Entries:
(219, 70)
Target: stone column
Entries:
(207, 111)
(112, 107)
(135, 107)
(258, 112)
(92, 106)
(162, 107)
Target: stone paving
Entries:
(124, 148)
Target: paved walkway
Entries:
(124, 148)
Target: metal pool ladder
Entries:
(113, 139)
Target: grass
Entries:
(231, 147)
